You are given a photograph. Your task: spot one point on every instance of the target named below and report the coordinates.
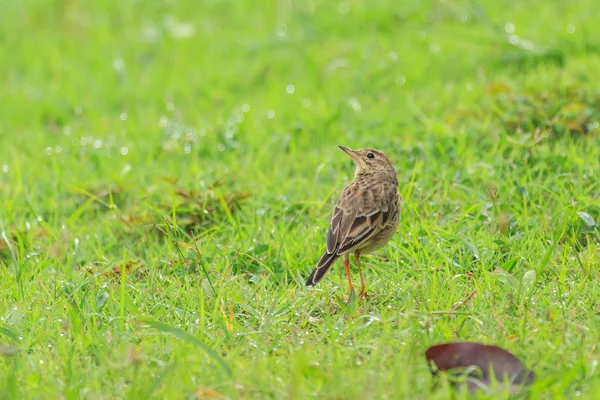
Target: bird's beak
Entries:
(350, 152)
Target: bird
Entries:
(365, 217)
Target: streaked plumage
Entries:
(366, 215)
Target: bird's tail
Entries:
(323, 266)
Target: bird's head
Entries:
(370, 161)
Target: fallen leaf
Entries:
(481, 362)
(203, 393)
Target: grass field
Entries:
(168, 171)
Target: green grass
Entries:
(164, 196)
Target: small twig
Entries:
(201, 262)
(230, 266)
(459, 304)
(174, 241)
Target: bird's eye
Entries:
(370, 155)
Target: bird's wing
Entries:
(362, 228)
(355, 219)
(334, 230)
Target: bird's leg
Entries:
(347, 266)
(363, 289)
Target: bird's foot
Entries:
(367, 295)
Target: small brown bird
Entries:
(365, 217)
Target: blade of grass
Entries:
(190, 339)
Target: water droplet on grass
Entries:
(182, 30)
(5, 168)
(306, 103)
(270, 114)
(393, 56)
(400, 80)
(509, 27)
(118, 64)
(124, 150)
(354, 104)
(281, 30)
(123, 116)
(290, 89)
(344, 8)
(78, 110)
(571, 28)
(149, 32)
(365, 53)
(229, 134)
